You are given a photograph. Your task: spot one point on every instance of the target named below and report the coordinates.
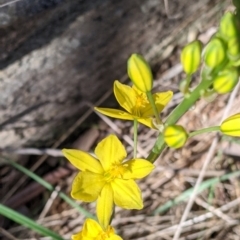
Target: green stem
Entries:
(152, 102)
(184, 85)
(135, 136)
(176, 114)
(206, 81)
(204, 130)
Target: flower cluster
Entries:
(106, 176)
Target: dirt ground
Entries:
(110, 32)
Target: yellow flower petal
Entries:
(125, 96)
(105, 206)
(77, 236)
(91, 229)
(161, 100)
(137, 168)
(110, 151)
(126, 194)
(87, 186)
(147, 122)
(83, 161)
(231, 125)
(140, 72)
(115, 113)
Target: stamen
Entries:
(141, 102)
(116, 171)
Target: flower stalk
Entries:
(175, 115)
(135, 137)
(204, 130)
(153, 105)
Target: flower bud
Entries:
(214, 53)
(231, 126)
(175, 136)
(140, 73)
(225, 81)
(228, 26)
(191, 57)
(233, 49)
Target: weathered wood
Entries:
(54, 57)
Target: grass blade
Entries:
(49, 187)
(23, 220)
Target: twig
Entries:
(204, 167)
(196, 220)
(34, 189)
(215, 211)
(9, 3)
(7, 234)
(33, 151)
(50, 201)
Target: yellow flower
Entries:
(108, 178)
(231, 125)
(140, 73)
(93, 231)
(136, 104)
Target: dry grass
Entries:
(214, 213)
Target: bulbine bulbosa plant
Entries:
(108, 177)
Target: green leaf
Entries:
(21, 219)
(49, 187)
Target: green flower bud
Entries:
(231, 126)
(191, 57)
(233, 49)
(225, 81)
(228, 26)
(175, 136)
(140, 73)
(214, 53)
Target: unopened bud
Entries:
(228, 26)
(175, 136)
(233, 49)
(140, 73)
(191, 57)
(231, 126)
(226, 81)
(214, 53)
